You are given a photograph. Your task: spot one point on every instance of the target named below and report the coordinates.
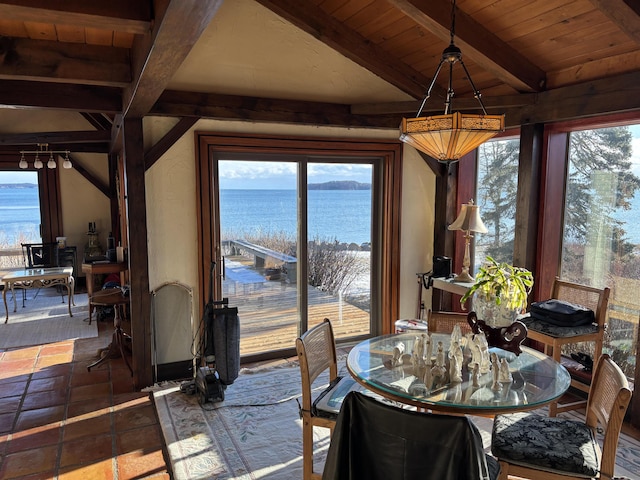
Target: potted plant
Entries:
(500, 292)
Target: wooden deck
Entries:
(269, 315)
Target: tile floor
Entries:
(58, 421)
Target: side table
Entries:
(113, 297)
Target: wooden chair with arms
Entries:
(546, 448)
(554, 337)
(316, 351)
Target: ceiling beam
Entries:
(491, 103)
(476, 43)
(60, 96)
(166, 142)
(119, 15)
(192, 104)
(64, 62)
(157, 55)
(95, 181)
(352, 45)
(625, 14)
(54, 138)
(97, 120)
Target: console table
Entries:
(37, 278)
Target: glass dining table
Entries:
(527, 381)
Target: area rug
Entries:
(45, 319)
(256, 433)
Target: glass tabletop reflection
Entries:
(383, 364)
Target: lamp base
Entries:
(464, 277)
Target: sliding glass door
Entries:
(296, 242)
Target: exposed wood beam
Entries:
(505, 101)
(352, 45)
(55, 138)
(87, 98)
(120, 15)
(157, 55)
(165, 143)
(476, 43)
(609, 95)
(625, 14)
(191, 104)
(64, 62)
(97, 120)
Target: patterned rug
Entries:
(256, 433)
(45, 319)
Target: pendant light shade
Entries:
(449, 136)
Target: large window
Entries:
(601, 241)
(301, 230)
(497, 184)
(19, 215)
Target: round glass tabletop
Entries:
(387, 366)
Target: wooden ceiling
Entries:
(536, 60)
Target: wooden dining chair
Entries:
(554, 337)
(443, 322)
(538, 447)
(316, 351)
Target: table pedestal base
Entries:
(115, 349)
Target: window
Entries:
(497, 184)
(19, 215)
(601, 240)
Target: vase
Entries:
(494, 315)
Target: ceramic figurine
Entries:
(485, 363)
(504, 373)
(475, 376)
(455, 362)
(398, 350)
(495, 372)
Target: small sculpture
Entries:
(504, 373)
(398, 351)
(495, 367)
(475, 376)
(439, 370)
(484, 352)
(455, 362)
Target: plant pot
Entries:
(494, 315)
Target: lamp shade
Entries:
(469, 219)
(449, 137)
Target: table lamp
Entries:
(468, 221)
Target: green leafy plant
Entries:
(502, 283)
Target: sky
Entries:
(281, 175)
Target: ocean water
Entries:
(19, 216)
(342, 215)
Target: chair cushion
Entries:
(556, 331)
(328, 403)
(546, 443)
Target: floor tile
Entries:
(29, 461)
(34, 438)
(28, 353)
(102, 470)
(57, 349)
(6, 422)
(87, 449)
(40, 417)
(93, 407)
(89, 392)
(60, 382)
(52, 371)
(13, 389)
(10, 404)
(139, 465)
(50, 360)
(144, 439)
(129, 418)
(48, 398)
(80, 377)
(87, 425)
(22, 365)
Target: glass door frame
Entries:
(387, 187)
